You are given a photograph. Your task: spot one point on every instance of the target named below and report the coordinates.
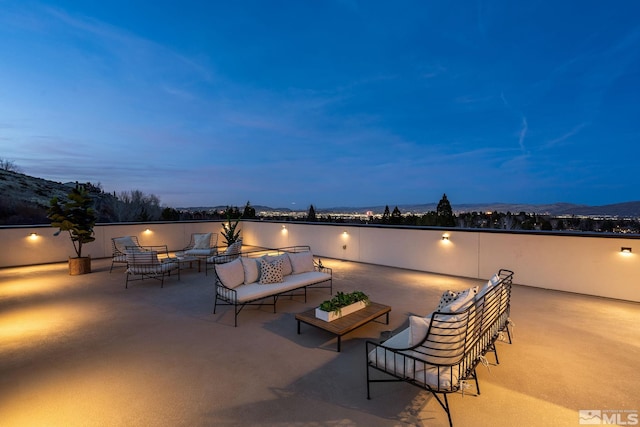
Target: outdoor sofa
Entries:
(440, 352)
(254, 277)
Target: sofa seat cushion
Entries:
(256, 290)
(439, 378)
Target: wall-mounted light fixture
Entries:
(626, 250)
(33, 236)
(147, 230)
(345, 234)
(445, 237)
(284, 229)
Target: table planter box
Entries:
(329, 316)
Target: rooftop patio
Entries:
(83, 350)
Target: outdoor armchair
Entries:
(152, 263)
(119, 246)
(202, 245)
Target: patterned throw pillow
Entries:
(270, 271)
(447, 298)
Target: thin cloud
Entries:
(566, 136)
(523, 133)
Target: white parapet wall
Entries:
(587, 264)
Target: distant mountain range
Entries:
(27, 190)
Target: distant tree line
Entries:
(443, 216)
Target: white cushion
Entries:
(301, 262)
(446, 341)
(447, 298)
(234, 248)
(202, 241)
(251, 271)
(287, 269)
(231, 274)
(259, 290)
(122, 243)
(418, 327)
(270, 271)
(490, 284)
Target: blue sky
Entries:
(330, 103)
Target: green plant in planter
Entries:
(229, 231)
(342, 300)
(76, 216)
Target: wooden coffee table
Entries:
(346, 324)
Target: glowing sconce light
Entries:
(33, 236)
(284, 229)
(345, 234)
(147, 231)
(445, 238)
(626, 250)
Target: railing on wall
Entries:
(593, 264)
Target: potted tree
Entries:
(77, 217)
(229, 232)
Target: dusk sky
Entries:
(330, 103)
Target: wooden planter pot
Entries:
(79, 266)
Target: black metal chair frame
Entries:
(213, 245)
(118, 256)
(480, 337)
(155, 269)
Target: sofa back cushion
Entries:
(251, 269)
(301, 262)
(231, 274)
(441, 338)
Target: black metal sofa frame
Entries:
(229, 296)
(453, 346)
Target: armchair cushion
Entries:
(202, 241)
(122, 243)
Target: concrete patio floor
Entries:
(85, 351)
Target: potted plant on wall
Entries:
(77, 217)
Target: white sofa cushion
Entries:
(490, 284)
(256, 290)
(270, 271)
(231, 274)
(301, 262)
(251, 270)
